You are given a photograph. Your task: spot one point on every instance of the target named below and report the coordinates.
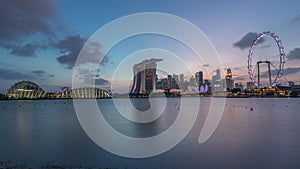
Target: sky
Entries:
(40, 40)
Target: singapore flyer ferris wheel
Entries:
(254, 66)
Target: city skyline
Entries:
(41, 40)
(146, 81)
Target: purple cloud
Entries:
(247, 40)
(19, 19)
(71, 47)
(294, 54)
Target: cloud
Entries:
(72, 46)
(294, 54)
(7, 65)
(41, 73)
(10, 74)
(83, 71)
(38, 72)
(91, 53)
(264, 46)
(19, 19)
(105, 60)
(22, 20)
(247, 40)
(266, 73)
(296, 19)
(286, 71)
(27, 50)
(240, 68)
(205, 65)
(239, 78)
(293, 70)
(13, 74)
(91, 79)
(101, 81)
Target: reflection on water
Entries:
(141, 104)
(140, 130)
(266, 136)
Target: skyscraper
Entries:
(229, 80)
(176, 79)
(192, 81)
(229, 74)
(199, 77)
(181, 79)
(208, 84)
(144, 77)
(239, 85)
(291, 83)
(250, 85)
(170, 81)
(216, 81)
(218, 74)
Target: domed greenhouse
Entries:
(25, 90)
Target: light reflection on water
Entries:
(48, 130)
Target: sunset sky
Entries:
(40, 40)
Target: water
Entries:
(268, 136)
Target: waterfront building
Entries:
(216, 82)
(192, 81)
(250, 86)
(208, 84)
(218, 73)
(291, 83)
(176, 78)
(89, 93)
(283, 91)
(144, 77)
(223, 85)
(170, 81)
(181, 79)
(295, 90)
(199, 77)
(239, 86)
(229, 80)
(25, 90)
(55, 95)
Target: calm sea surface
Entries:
(268, 136)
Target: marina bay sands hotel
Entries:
(144, 77)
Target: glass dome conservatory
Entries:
(25, 90)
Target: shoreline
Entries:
(146, 97)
